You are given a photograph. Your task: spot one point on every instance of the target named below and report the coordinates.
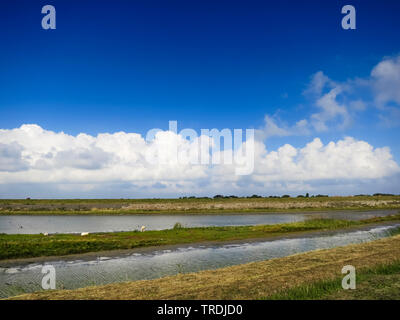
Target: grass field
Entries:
(25, 246)
(289, 277)
(194, 205)
(380, 282)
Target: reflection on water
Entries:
(79, 273)
(71, 224)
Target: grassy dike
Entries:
(226, 205)
(25, 246)
(311, 275)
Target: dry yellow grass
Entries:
(248, 204)
(195, 205)
(247, 281)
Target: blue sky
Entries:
(134, 65)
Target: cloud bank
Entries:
(39, 162)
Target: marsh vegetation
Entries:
(194, 205)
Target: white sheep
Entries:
(142, 228)
(46, 234)
(84, 233)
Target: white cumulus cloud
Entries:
(32, 158)
(335, 105)
(386, 81)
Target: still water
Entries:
(71, 274)
(76, 224)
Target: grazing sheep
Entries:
(84, 233)
(46, 234)
(142, 228)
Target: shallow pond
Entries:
(76, 224)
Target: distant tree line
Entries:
(307, 195)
